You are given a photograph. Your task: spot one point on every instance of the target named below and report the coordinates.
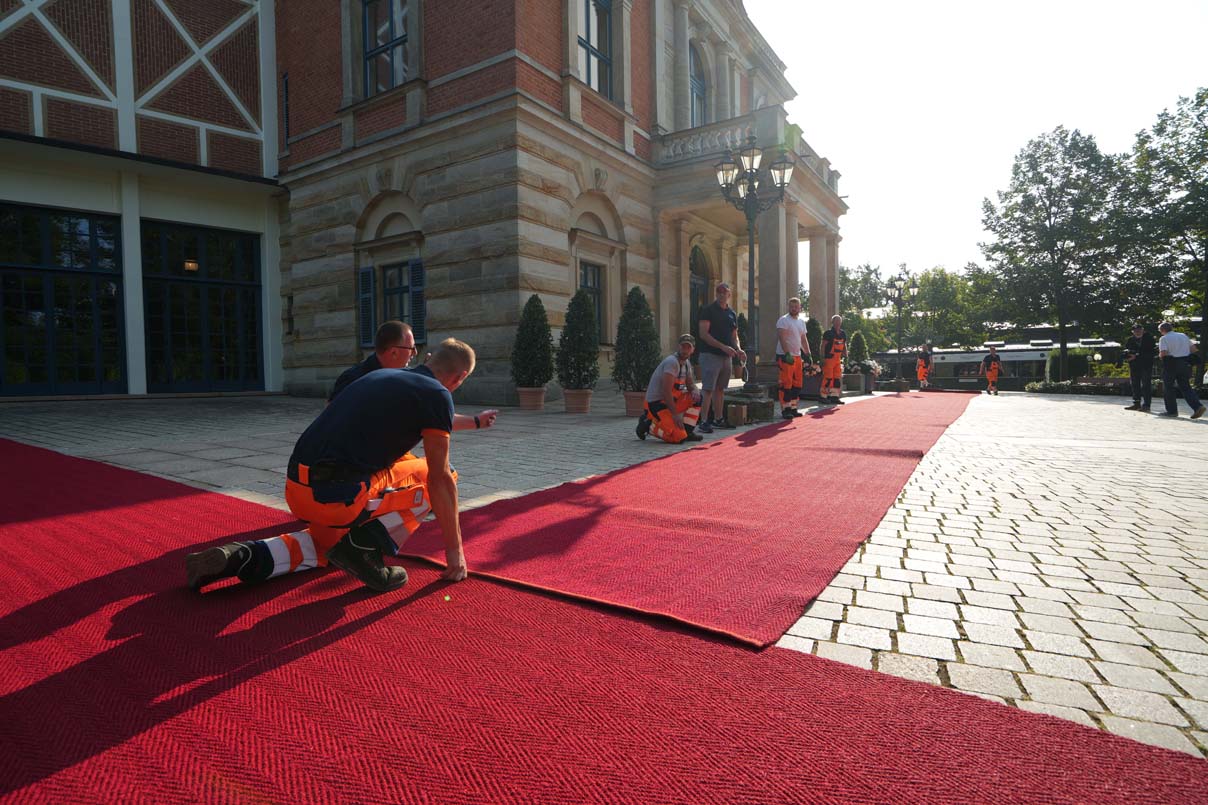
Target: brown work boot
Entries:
(1199, 412)
(215, 564)
(1133, 407)
(367, 565)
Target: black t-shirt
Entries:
(1144, 348)
(834, 344)
(722, 322)
(377, 419)
(990, 361)
(925, 359)
(370, 364)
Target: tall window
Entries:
(699, 87)
(595, 46)
(401, 297)
(589, 280)
(385, 37)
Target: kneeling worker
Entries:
(672, 399)
(353, 480)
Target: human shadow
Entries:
(175, 653)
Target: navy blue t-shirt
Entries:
(377, 419)
(722, 322)
(370, 364)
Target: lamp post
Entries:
(900, 289)
(750, 193)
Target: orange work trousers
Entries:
(992, 379)
(832, 376)
(922, 370)
(397, 497)
(662, 422)
(791, 377)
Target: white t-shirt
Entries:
(795, 326)
(1176, 345)
(670, 366)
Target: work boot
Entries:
(838, 401)
(1199, 412)
(694, 437)
(1134, 407)
(1144, 409)
(215, 564)
(1171, 414)
(796, 412)
(787, 413)
(705, 427)
(643, 427)
(366, 564)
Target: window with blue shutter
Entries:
(367, 326)
(419, 311)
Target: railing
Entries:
(713, 140)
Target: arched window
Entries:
(700, 88)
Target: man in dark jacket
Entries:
(1140, 351)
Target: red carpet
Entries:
(120, 686)
(736, 536)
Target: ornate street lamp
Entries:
(751, 193)
(900, 290)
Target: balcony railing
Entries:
(713, 140)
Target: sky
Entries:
(923, 105)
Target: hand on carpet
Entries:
(456, 570)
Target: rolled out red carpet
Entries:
(119, 686)
(736, 536)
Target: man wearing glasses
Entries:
(393, 347)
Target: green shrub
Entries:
(637, 344)
(533, 350)
(1078, 362)
(743, 335)
(813, 334)
(1070, 387)
(859, 348)
(578, 358)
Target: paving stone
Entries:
(1135, 678)
(1195, 686)
(933, 593)
(994, 617)
(982, 680)
(1061, 666)
(932, 609)
(893, 603)
(791, 641)
(887, 586)
(1141, 705)
(938, 627)
(1153, 734)
(1196, 710)
(1059, 691)
(989, 656)
(815, 628)
(1058, 644)
(879, 618)
(1068, 713)
(825, 610)
(867, 636)
(990, 600)
(1114, 633)
(995, 635)
(1043, 606)
(1176, 640)
(1127, 655)
(838, 595)
(850, 655)
(1186, 662)
(926, 646)
(1117, 616)
(945, 580)
(920, 669)
(1169, 623)
(1050, 623)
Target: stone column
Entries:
(792, 276)
(683, 96)
(132, 285)
(684, 317)
(771, 278)
(662, 101)
(820, 290)
(724, 104)
(622, 25)
(665, 287)
(832, 273)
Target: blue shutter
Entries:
(419, 310)
(367, 326)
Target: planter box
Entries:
(853, 382)
(635, 403)
(531, 399)
(577, 401)
(870, 383)
(811, 386)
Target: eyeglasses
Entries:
(404, 346)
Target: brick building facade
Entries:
(438, 161)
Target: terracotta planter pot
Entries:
(578, 401)
(531, 399)
(635, 403)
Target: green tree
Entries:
(1048, 230)
(939, 311)
(1170, 191)
(873, 330)
(813, 335)
(859, 347)
(637, 344)
(578, 358)
(533, 349)
(860, 288)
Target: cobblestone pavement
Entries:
(1048, 553)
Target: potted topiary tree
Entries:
(533, 355)
(578, 358)
(861, 364)
(811, 385)
(637, 351)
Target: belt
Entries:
(325, 472)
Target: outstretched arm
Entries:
(483, 419)
(442, 492)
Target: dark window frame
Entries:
(699, 88)
(596, 291)
(598, 62)
(370, 54)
